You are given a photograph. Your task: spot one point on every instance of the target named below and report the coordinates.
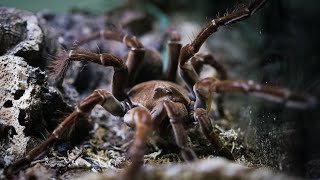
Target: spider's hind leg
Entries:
(205, 88)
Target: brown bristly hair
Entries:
(59, 66)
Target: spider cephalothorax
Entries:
(145, 106)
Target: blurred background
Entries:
(276, 46)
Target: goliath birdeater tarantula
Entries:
(148, 105)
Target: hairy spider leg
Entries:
(205, 88)
(201, 59)
(177, 113)
(102, 97)
(206, 127)
(174, 47)
(120, 76)
(136, 53)
(144, 126)
(145, 122)
(186, 69)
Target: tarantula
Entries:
(148, 105)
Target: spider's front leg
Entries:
(177, 113)
(186, 69)
(102, 97)
(203, 118)
(145, 122)
(140, 118)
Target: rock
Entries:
(216, 168)
(28, 104)
(21, 34)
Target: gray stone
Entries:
(28, 103)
